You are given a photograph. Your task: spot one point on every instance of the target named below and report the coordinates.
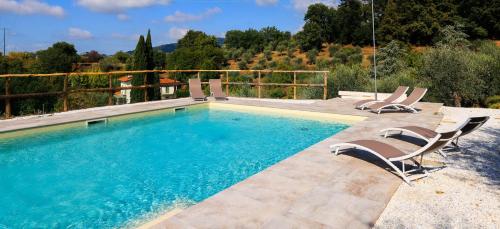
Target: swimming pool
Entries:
(138, 166)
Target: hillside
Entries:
(172, 46)
(322, 55)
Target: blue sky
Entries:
(112, 25)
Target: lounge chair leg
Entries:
(442, 153)
(456, 143)
(401, 173)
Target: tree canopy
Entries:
(414, 22)
(196, 50)
(256, 39)
(58, 58)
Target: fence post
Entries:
(198, 75)
(227, 83)
(111, 92)
(294, 85)
(145, 87)
(65, 93)
(8, 110)
(258, 85)
(325, 85)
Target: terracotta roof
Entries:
(162, 80)
(124, 79)
(167, 81)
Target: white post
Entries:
(374, 51)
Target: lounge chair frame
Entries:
(453, 140)
(434, 144)
(401, 106)
(195, 90)
(216, 89)
(401, 90)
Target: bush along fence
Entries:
(247, 83)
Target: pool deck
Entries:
(312, 189)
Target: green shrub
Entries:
(311, 92)
(333, 49)
(287, 61)
(278, 93)
(110, 63)
(272, 64)
(282, 47)
(311, 56)
(323, 64)
(247, 57)
(407, 77)
(493, 102)
(391, 59)
(262, 61)
(290, 52)
(298, 61)
(243, 65)
(351, 78)
(349, 56)
(182, 92)
(455, 76)
(268, 54)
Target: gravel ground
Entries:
(465, 194)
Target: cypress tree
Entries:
(140, 63)
(152, 78)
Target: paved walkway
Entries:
(312, 189)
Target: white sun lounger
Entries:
(390, 154)
(406, 105)
(400, 91)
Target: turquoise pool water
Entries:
(109, 176)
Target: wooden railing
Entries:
(8, 96)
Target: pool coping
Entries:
(306, 182)
(56, 119)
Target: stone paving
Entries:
(312, 189)
(89, 114)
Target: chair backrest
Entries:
(436, 143)
(195, 89)
(416, 95)
(472, 124)
(397, 93)
(216, 88)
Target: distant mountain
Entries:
(172, 46)
(166, 47)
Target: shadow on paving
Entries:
(480, 154)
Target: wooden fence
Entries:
(8, 96)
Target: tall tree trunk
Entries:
(457, 99)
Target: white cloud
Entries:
(133, 37)
(266, 2)
(179, 16)
(118, 5)
(79, 34)
(122, 17)
(177, 33)
(302, 5)
(31, 7)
